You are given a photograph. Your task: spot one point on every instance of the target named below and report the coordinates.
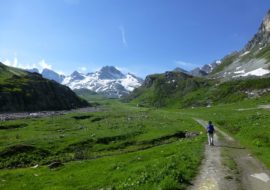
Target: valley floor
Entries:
(137, 148)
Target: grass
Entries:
(195, 92)
(133, 148)
(244, 121)
(264, 53)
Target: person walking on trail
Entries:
(210, 132)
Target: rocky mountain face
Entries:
(24, 91)
(262, 37)
(108, 81)
(50, 74)
(34, 70)
(251, 61)
(205, 69)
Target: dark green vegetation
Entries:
(24, 91)
(133, 148)
(179, 90)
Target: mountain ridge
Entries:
(108, 81)
(250, 61)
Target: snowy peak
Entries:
(77, 76)
(110, 72)
(108, 81)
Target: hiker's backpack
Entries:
(210, 128)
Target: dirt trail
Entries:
(247, 173)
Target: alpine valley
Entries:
(108, 130)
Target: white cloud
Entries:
(11, 63)
(60, 72)
(44, 65)
(82, 69)
(16, 63)
(123, 35)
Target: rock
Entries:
(34, 166)
(55, 164)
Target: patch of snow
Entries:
(237, 68)
(218, 62)
(239, 72)
(257, 72)
(245, 53)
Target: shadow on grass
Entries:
(228, 146)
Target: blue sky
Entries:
(138, 36)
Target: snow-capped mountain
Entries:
(50, 74)
(107, 81)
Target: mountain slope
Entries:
(25, 91)
(178, 90)
(167, 89)
(252, 60)
(50, 74)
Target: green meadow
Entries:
(123, 146)
(120, 147)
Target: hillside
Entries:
(167, 89)
(239, 75)
(252, 60)
(176, 89)
(24, 91)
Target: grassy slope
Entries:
(24, 91)
(264, 53)
(165, 164)
(226, 61)
(195, 92)
(94, 98)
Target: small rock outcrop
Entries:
(55, 164)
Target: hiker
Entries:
(210, 132)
